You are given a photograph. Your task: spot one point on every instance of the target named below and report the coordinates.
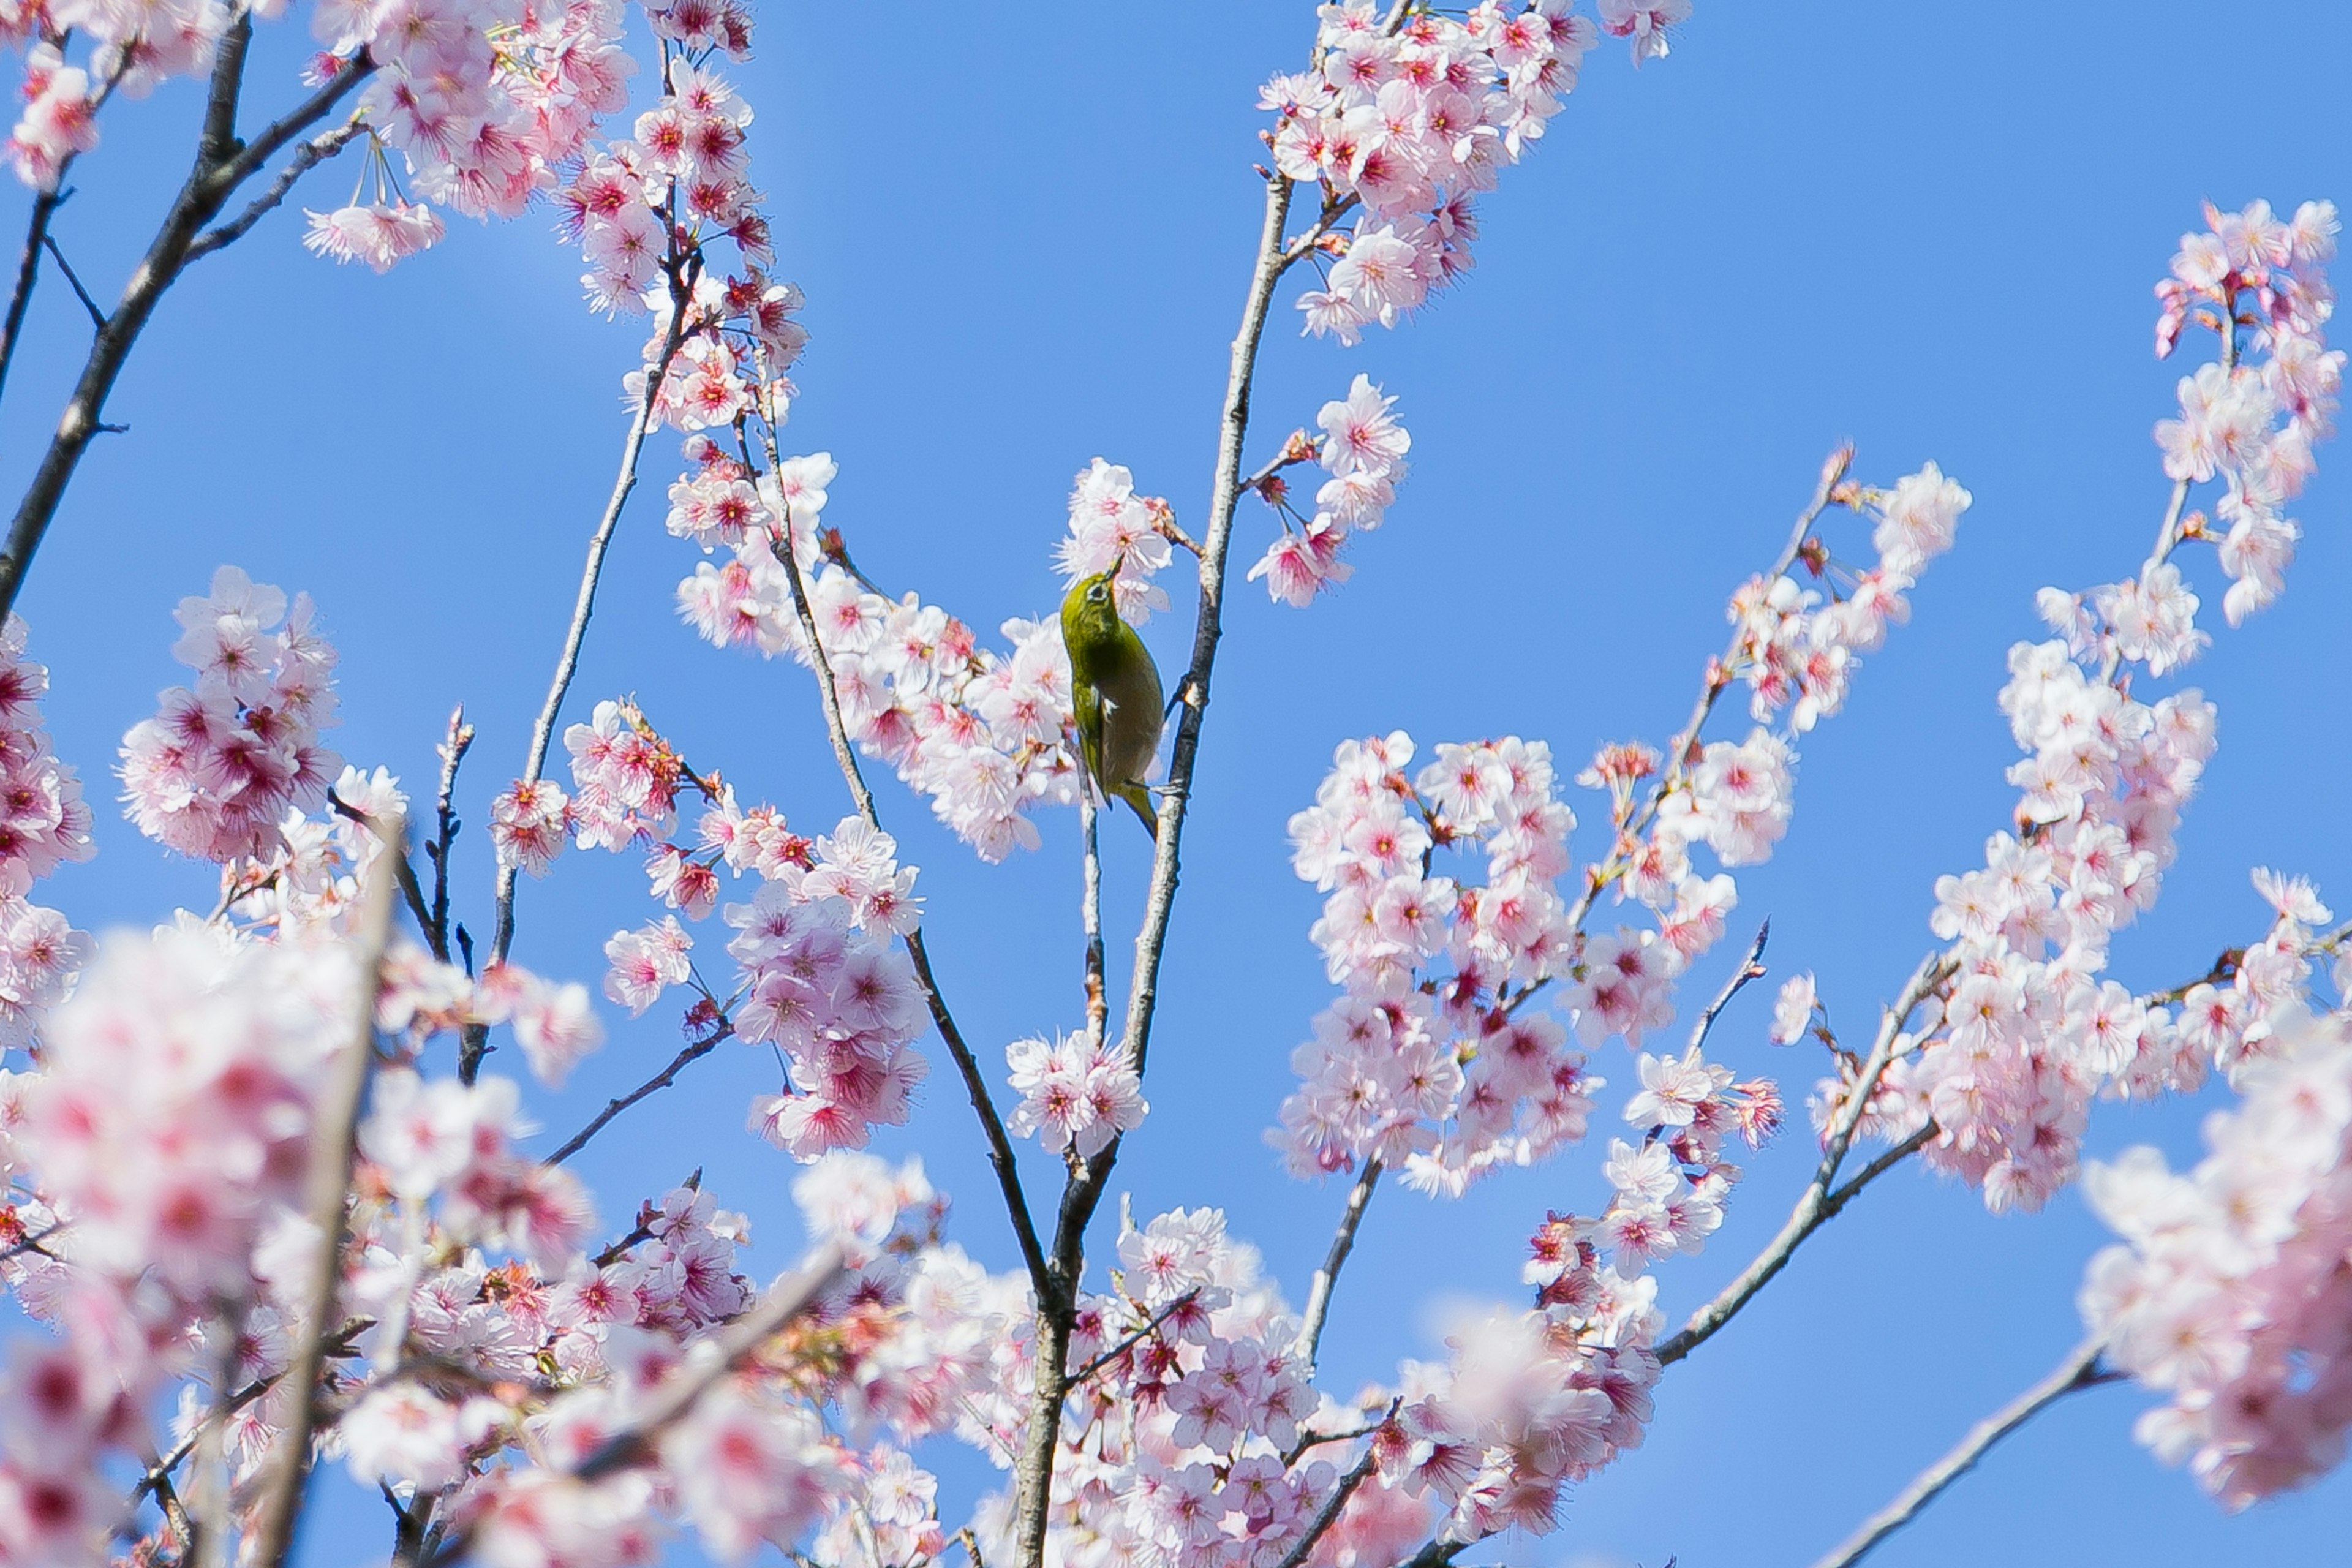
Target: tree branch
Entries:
(1751, 968)
(1328, 1514)
(695, 1051)
(97, 316)
(220, 168)
(334, 1147)
(1813, 1205)
(2079, 1371)
(29, 270)
(1343, 1242)
(1033, 1470)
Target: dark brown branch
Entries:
(452, 750)
(1135, 1339)
(1052, 1301)
(1328, 1514)
(660, 1081)
(29, 270)
(220, 168)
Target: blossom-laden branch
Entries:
(223, 165)
(2080, 1370)
(333, 1150)
(1049, 1291)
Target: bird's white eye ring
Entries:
(1098, 593)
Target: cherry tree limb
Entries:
(1343, 1242)
(334, 1147)
(1328, 1514)
(1814, 1206)
(29, 270)
(222, 166)
(2079, 1371)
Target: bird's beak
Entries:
(1117, 561)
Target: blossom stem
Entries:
(992, 1125)
(334, 1147)
(1813, 1205)
(1343, 1242)
(2079, 1371)
(1090, 917)
(694, 1052)
(1751, 968)
(1135, 1339)
(222, 166)
(453, 749)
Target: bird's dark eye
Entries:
(1098, 593)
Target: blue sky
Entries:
(1931, 230)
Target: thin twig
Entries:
(23, 1245)
(1751, 968)
(1052, 1299)
(2079, 1371)
(1343, 1242)
(1090, 920)
(97, 316)
(474, 1042)
(334, 1147)
(1812, 1205)
(403, 873)
(453, 745)
(660, 1081)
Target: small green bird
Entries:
(1115, 688)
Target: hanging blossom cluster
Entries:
(2231, 1294)
(485, 103)
(2251, 425)
(2028, 1030)
(1076, 1093)
(1410, 125)
(216, 769)
(1363, 449)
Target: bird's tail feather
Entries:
(1138, 797)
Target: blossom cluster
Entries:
(1076, 1093)
(1423, 1062)
(1184, 1443)
(1363, 449)
(2028, 1030)
(1411, 123)
(216, 771)
(2230, 1294)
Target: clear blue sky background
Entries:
(1931, 229)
